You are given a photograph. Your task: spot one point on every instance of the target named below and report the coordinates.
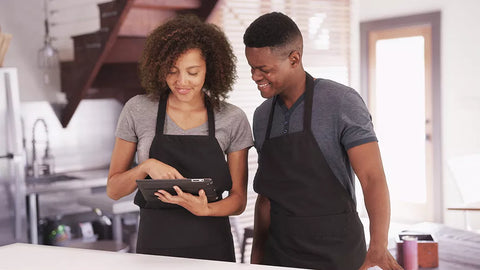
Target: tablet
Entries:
(191, 185)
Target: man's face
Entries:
(270, 71)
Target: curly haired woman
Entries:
(183, 128)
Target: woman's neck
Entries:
(193, 105)
(187, 115)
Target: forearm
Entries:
(378, 207)
(374, 185)
(377, 202)
(260, 228)
(234, 204)
(236, 201)
(123, 183)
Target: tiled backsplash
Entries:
(87, 141)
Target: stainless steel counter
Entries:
(113, 208)
(67, 181)
(70, 181)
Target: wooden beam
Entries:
(76, 95)
(167, 4)
(123, 75)
(126, 50)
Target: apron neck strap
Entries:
(307, 117)
(162, 112)
(211, 119)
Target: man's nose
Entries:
(256, 75)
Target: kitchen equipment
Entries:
(12, 173)
(55, 233)
(44, 165)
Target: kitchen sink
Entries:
(47, 179)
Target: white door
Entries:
(400, 101)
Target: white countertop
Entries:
(28, 256)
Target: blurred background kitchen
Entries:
(71, 65)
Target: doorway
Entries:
(400, 60)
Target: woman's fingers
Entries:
(197, 205)
(160, 170)
(179, 191)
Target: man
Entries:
(310, 134)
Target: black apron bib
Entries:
(171, 230)
(314, 223)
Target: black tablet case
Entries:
(191, 185)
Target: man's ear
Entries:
(294, 58)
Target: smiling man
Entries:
(311, 136)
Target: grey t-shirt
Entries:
(340, 121)
(138, 118)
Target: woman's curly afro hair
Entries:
(171, 39)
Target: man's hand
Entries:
(380, 257)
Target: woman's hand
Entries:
(197, 205)
(159, 170)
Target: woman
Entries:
(182, 128)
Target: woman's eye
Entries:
(193, 74)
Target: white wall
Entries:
(88, 140)
(86, 143)
(24, 21)
(459, 78)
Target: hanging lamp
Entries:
(47, 58)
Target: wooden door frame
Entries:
(433, 20)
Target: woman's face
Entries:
(187, 76)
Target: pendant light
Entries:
(47, 58)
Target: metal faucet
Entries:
(45, 165)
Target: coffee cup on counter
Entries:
(410, 253)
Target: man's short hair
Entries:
(273, 29)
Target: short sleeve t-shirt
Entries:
(137, 123)
(340, 121)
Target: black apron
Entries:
(171, 230)
(314, 223)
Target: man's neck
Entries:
(298, 88)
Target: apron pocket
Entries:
(178, 228)
(315, 235)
